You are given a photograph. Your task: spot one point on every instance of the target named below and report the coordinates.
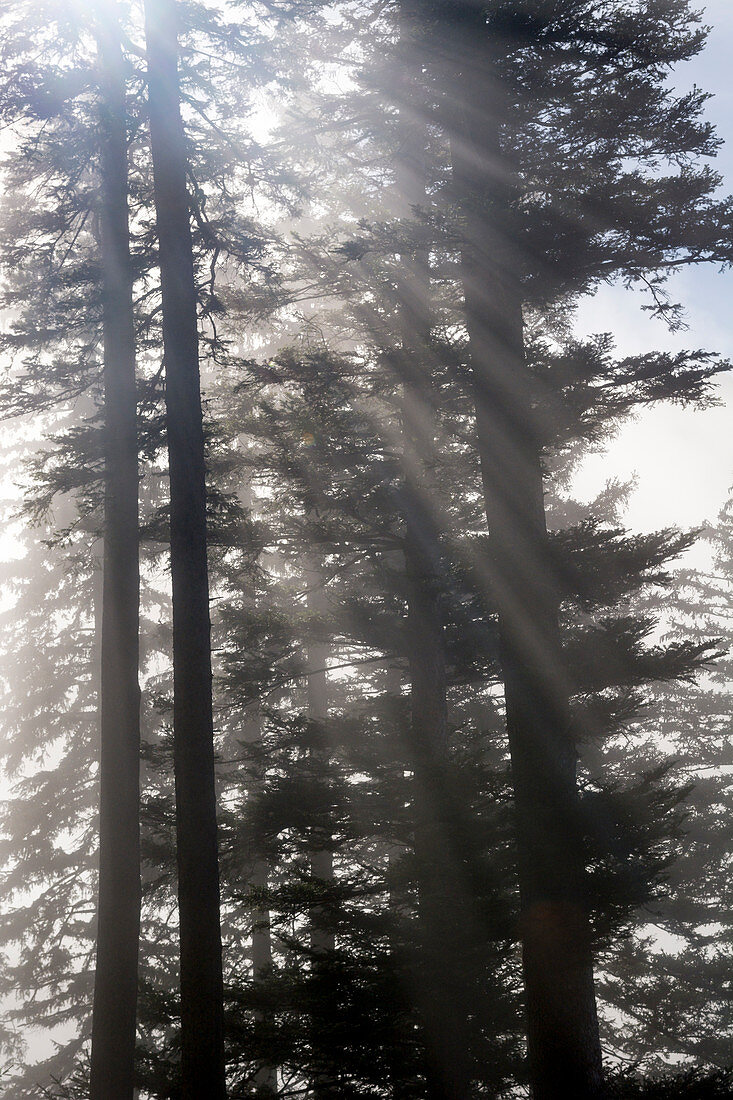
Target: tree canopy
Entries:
(409, 775)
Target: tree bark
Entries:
(563, 1040)
(447, 1068)
(564, 1046)
(265, 1079)
(118, 926)
(322, 937)
(203, 1069)
(266, 1075)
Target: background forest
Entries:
(355, 742)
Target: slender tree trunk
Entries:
(261, 942)
(266, 1075)
(203, 1070)
(115, 982)
(265, 1079)
(564, 1047)
(398, 907)
(447, 1072)
(322, 936)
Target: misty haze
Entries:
(366, 561)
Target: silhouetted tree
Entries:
(118, 922)
(202, 1026)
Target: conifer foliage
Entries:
(407, 777)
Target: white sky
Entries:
(683, 459)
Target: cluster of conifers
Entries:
(536, 150)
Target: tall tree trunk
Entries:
(447, 1069)
(266, 1076)
(265, 1079)
(563, 1040)
(399, 910)
(447, 1073)
(564, 1046)
(118, 931)
(203, 1071)
(322, 936)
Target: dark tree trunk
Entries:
(564, 1046)
(266, 1075)
(322, 936)
(439, 883)
(203, 1072)
(261, 942)
(436, 983)
(118, 930)
(265, 1078)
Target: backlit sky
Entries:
(683, 459)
